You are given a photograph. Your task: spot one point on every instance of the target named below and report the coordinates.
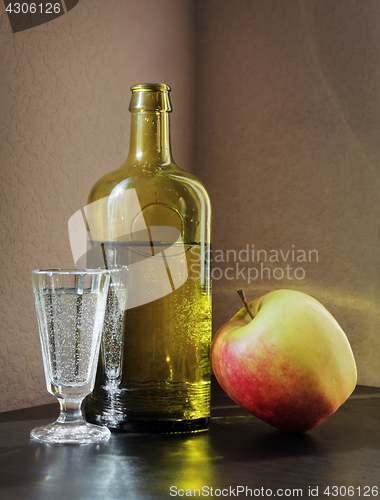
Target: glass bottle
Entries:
(153, 222)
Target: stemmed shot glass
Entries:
(70, 307)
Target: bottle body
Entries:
(157, 224)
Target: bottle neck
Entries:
(150, 138)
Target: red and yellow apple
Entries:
(291, 365)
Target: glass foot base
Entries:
(60, 433)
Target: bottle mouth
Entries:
(150, 87)
(150, 98)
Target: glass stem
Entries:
(70, 411)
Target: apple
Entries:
(284, 358)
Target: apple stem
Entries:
(244, 300)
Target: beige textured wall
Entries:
(288, 145)
(287, 134)
(64, 122)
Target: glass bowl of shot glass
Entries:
(70, 306)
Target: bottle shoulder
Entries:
(188, 178)
(171, 179)
(103, 187)
(166, 197)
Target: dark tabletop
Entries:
(239, 456)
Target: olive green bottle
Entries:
(153, 221)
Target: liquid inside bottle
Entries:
(151, 220)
